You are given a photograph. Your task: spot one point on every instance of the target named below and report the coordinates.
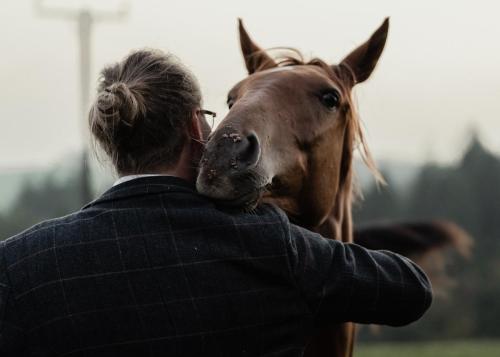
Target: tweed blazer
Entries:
(151, 268)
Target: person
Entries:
(152, 268)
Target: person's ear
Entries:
(195, 130)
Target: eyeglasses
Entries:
(212, 114)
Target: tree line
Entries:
(468, 194)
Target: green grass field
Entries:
(475, 348)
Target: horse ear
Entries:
(362, 61)
(255, 58)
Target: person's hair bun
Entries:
(143, 108)
(118, 106)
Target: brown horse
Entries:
(289, 139)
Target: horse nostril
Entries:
(248, 152)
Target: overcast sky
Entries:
(438, 77)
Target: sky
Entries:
(437, 80)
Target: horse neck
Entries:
(338, 224)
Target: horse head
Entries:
(290, 133)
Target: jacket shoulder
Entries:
(37, 238)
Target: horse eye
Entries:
(330, 99)
(230, 102)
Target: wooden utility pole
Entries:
(85, 17)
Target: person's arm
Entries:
(346, 282)
(11, 334)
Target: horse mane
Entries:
(289, 56)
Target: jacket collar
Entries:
(144, 186)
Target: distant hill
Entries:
(12, 181)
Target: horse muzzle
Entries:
(229, 168)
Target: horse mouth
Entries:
(243, 192)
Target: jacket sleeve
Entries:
(11, 334)
(346, 282)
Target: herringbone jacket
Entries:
(153, 269)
